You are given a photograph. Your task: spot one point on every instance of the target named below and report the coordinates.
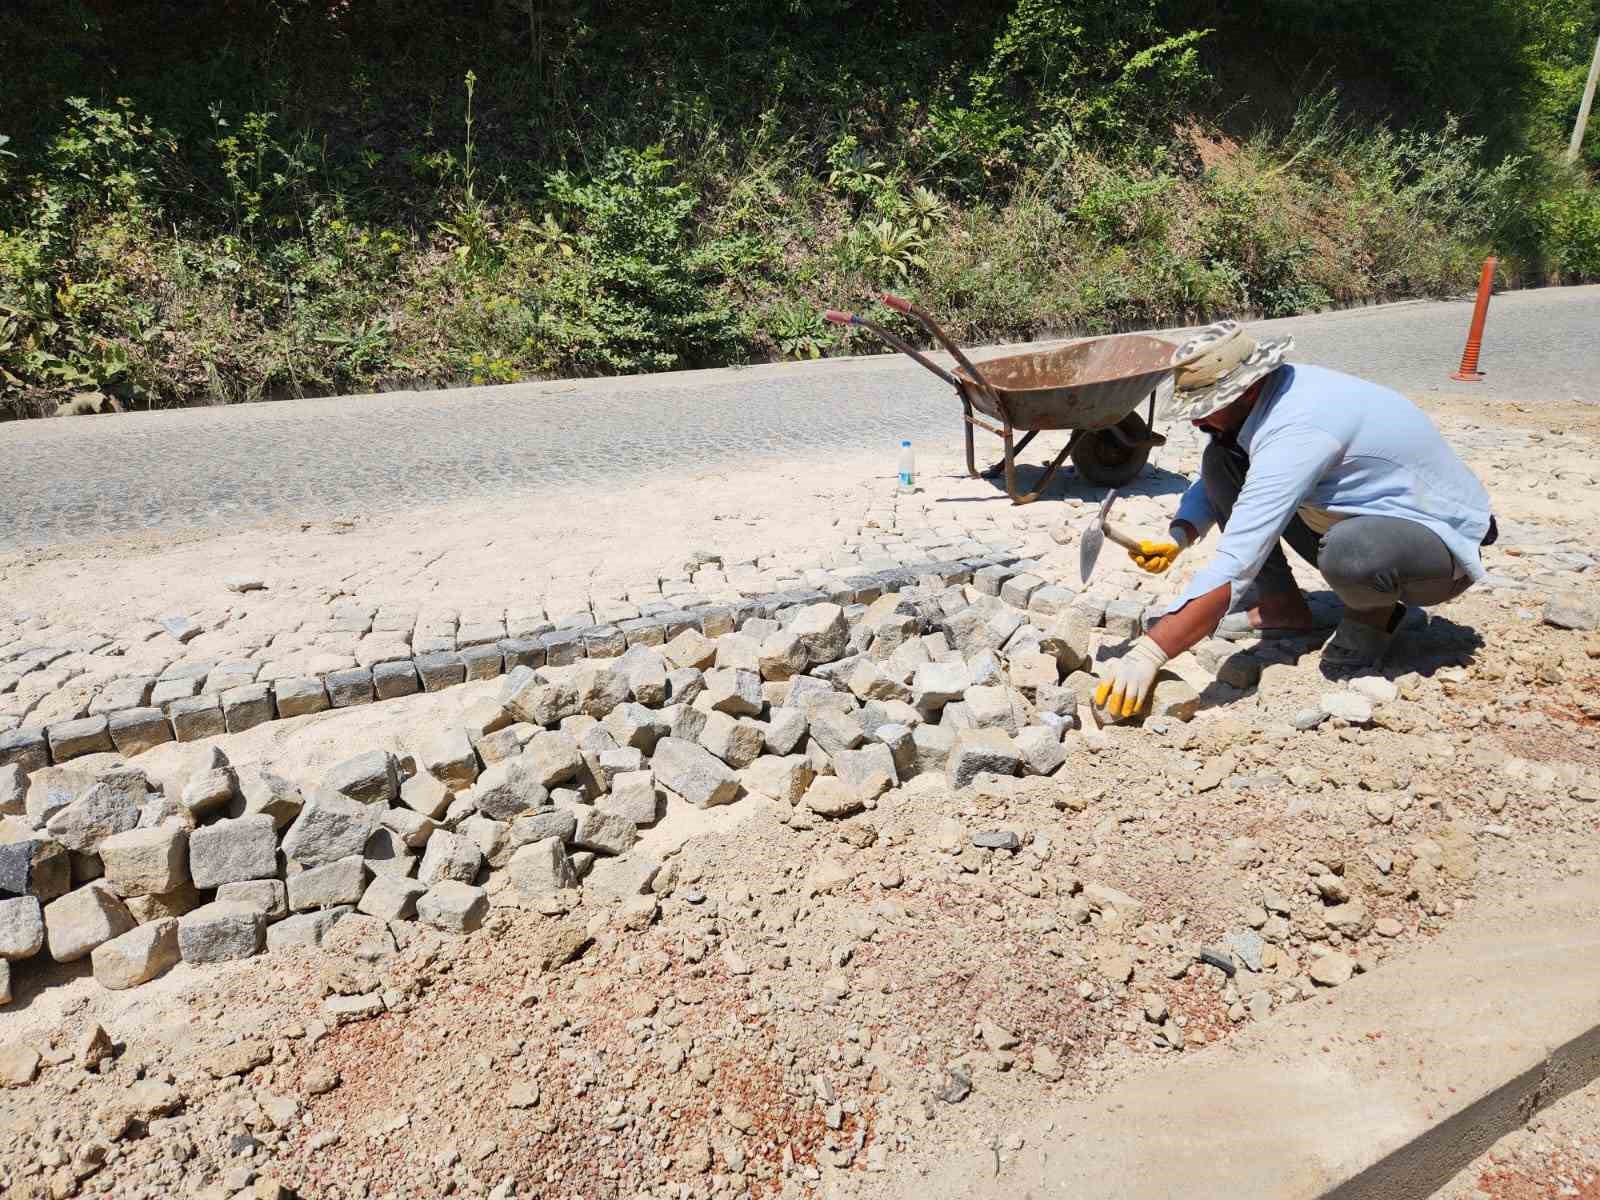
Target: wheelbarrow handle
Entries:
(901, 305)
(843, 318)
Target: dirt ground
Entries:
(813, 1006)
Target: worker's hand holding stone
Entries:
(1124, 692)
(1154, 557)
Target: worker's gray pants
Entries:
(1370, 562)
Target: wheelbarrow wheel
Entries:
(1103, 460)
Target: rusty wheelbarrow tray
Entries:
(1090, 387)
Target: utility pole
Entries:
(1583, 108)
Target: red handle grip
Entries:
(837, 317)
(899, 303)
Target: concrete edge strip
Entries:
(35, 746)
(1419, 1168)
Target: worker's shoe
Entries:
(1356, 646)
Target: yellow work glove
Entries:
(1124, 691)
(1154, 557)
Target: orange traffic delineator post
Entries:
(1468, 371)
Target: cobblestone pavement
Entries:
(95, 477)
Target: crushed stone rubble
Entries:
(922, 887)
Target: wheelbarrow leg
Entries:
(995, 468)
(1044, 481)
(972, 466)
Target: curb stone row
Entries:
(820, 707)
(132, 730)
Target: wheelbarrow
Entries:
(1092, 388)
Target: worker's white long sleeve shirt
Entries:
(1325, 440)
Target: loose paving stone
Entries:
(331, 826)
(100, 811)
(634, 797)
(1346, 706)
(221, 932)
(137, 956)
(196, 718)
(975, 751)
(453, 907)
(262, 791)
(234, 850)
(209, 792)
(392, 898)
(146, 862)
(425, 795)
(605, 832)
(449, 856)
(82, 919)
(735, 742)
(394, 679)
(304, 929)
(183, 628)
(441, 670)
(135, 730)
(332, 884)
(1332, 969)
(481, 662)
(372, 777)
(269, 895)
(541, 868)
(829, 796)
(26, 747)
(299, 697)
(37, 867)
(694, 773)
(450, 758)
(21, 927)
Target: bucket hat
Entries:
(1216, 366)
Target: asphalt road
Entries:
(86, 478)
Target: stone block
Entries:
(263, 791)
(304, 929)
(785, 729)
(247, 706)
(735, 692)
(146, 862)
(137, 956)
(135, 730)
(82, 919)
(735, 742)
(386, 852)
(27, 747)
(604, 641)
(936, 684)
(391, 680)
(562, 647)
(196, 718)
(21, 927)
(349, 687)
(597, 689)
(425, 795)
(542, 868)
(372, 777)
(694, 773)
(439, 671)
(869, 771)
(835, 731)
(165, 692)
(1040, 750)
(990, 579)
(1123, 618)
(175, 903)
(271, 896)
(784, 778)
(1174, 699)
(453, 907)
(221, 932)
(1019, 589)
(392, 898)
(100, 810)
(339, 882)
(976, 751)
(231, 851)
(209, 793)
(449, 856)
(330, 826)
(552, 758)
(298, 697)
(633, 795)
(73, 739)
(481, 662)
(831, 797)
(691, 648)
(823, 632)
(450, 758)
(1051, 601)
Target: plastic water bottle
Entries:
(908, 467)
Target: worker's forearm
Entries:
(1192, 623)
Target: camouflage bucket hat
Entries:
(1216, 366)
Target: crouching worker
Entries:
(1351, 475)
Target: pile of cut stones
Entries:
(820, 708)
